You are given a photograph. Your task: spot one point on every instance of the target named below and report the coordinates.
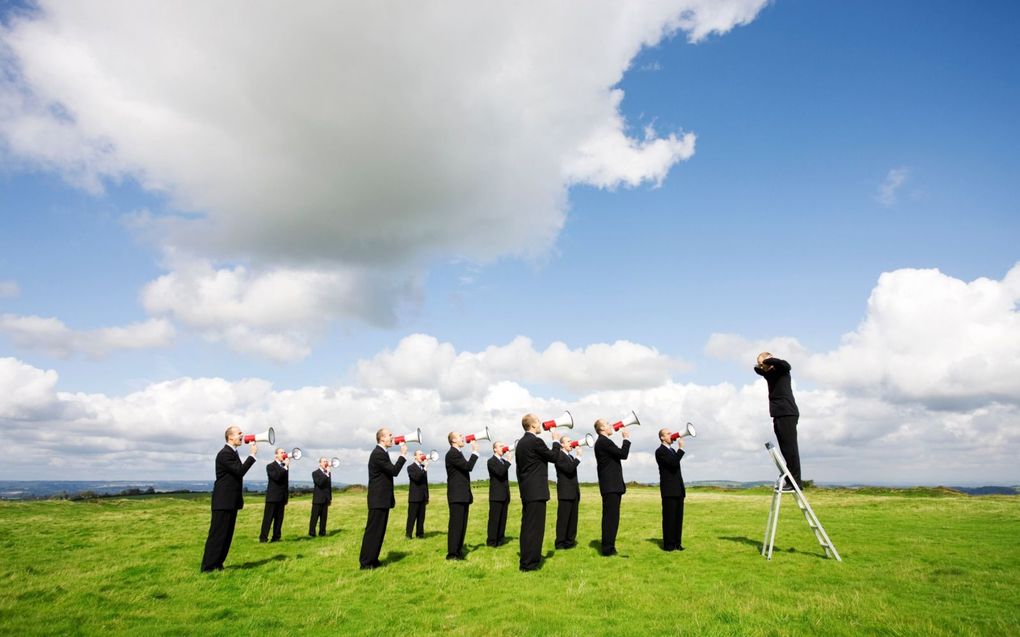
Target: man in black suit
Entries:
(611, 484)
(277, 495)
(458, 493)
(499, 494)
(227, 498)
(417, 493)
(322, 496)
(782, 409)
(381, 472)
(533, 460)
(568, 495)
(672, 490)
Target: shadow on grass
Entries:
(742, 540)
(393, 557)
(597, 546)
(257, 563)
(657, 541)
(775, 549)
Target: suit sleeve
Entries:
(320, 479)
(778, 364)
(566, 464)
(499, 470)
(232, 464)
(547, 454)
(667, 459)
(395, 468)
(276, 473)
(619, 452)
(458, 462)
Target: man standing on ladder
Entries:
(782, 409)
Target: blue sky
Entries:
(835, 142)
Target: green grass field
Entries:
(913, 565)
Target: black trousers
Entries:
(497, 522)
(672, 523)
(610, 520)
(319, 514)
(458, 529)
(416, 517)
(532, 534)
(221, 533)
(375, 533)
(566, 524)
(273, 513)
(786, 435)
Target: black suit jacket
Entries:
(608, 457)
(418, 490)
(380, 478)
(566, 476)
(499, 479)
(279, 479)
(458, 476)
(533, 460)
(323, 491)
(227, 494)
(671, 480)
(781, 402)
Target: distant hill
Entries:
(41, 489)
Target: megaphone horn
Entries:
(627, 421)
(481, 435)
(266, 436)
(433, 456)
(566, 421)
(691, 431)
(294, 455)
(335, 462)
(589, 441)
(415, 436)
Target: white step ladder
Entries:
(777, 495)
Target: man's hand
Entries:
(403, 449)
(253, 448)
(625, 432)
(474, 446)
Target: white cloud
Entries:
(932, 338)
(276, 314)
(9, 289)
(889, 189)
(457, 131)
(172, 429)
(924, 390)
(421, 361)
(53, 337)
(927, 337)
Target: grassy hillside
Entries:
(913, 565)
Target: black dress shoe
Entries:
(669, 548)
(311, 535)
(679, 548)
(368, 567)
(608, 552)
(322, 534)
(459, 558)
(275, 539)
(262, 541)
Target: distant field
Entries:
(915, 563)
